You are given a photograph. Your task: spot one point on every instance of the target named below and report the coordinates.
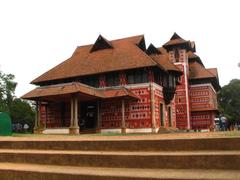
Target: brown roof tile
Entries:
(193, 57)
(125, 54)
(175, 39)
(164, 63)
(213, 71)
(162, 50)
(113, 93)
(197, 71)
(75, 88)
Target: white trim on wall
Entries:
(56, 131)
(206, 84)
(137, 130)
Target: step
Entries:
(126, 145)
(123, 159)
(20, 171)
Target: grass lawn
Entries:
(116, 136)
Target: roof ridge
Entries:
(130, 37)
(119, 39)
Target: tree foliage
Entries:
(229, 100)
(20, 111)
(7, 89)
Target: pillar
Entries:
(152, 106)
(46, 116)
(37, 127)
(74, 128)
(36, 123)
(98, 130)
(123, 128)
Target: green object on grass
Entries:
(5, 124)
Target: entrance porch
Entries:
(74, 106)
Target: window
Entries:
(137, 76)
(158, 76)
(171, 81)
(112, 79)
(91, 81)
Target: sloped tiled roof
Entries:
(213, 71)
(125, 54)
(60, 89)
(193, 57)
(175, 39)
(161, 59)
(197, 71)
(164, 63)
(76, 87)
(162, 50)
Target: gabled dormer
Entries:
(177, 47)
(141, 44)
(176, 42)
(152, 50)
(101, 43)
(175, 36)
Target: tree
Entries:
(229, 100)
(7, 90)
(20, 111)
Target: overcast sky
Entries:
(36, 35)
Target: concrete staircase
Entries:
(207, 158)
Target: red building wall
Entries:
(137, 113)
(182, 105)
(50, 115)
(159, 100)
(204, 105)
(111, 113)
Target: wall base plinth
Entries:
(38, 131)
(154, 130)
(74, 130)
(123, 130)
(98, 130)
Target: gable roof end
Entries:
(101, 43)
(177, 41)
(141, 44)
(175, 36)
(152, 50)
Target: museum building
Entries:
(121, 86)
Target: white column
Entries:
(152, 101)
(75, 123)
(74, 128)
